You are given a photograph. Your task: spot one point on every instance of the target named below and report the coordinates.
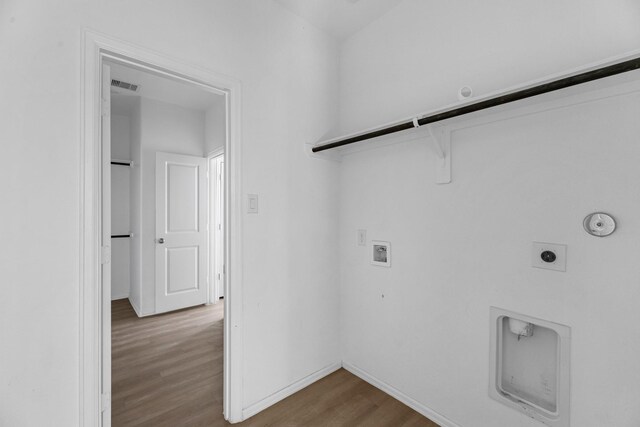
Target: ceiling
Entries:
(340, 18)
(160, 88)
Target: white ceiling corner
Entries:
(340, 18)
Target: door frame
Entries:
(96, 48)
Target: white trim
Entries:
(289, 390)
(163, 73)
(121, 296)
(95, 47)
(136, 308)
(397, 394)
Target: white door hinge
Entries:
(105, 255)
(105, 107)
(105, 402)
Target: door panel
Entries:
(181, 231)
(182, 202)
(182, 269)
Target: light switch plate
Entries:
(252, 203)
(362, 237)
(560, 252)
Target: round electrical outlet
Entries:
(548, 256)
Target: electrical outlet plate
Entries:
(560, 263)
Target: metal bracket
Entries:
(441, 143)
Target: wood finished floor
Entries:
(167, 371)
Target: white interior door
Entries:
(219, 224)
(106, 245)
(216, 232)
(181, 231)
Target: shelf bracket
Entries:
(441, 144)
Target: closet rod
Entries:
(588, 76)
(121, 236)
(121, 163)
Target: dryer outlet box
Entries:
(550, 256)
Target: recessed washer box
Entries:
(381, 253)
(530, 366)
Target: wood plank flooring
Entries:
(167, 372)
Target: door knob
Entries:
(161, 240)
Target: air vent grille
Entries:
(124, 85)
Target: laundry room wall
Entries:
(528, 172)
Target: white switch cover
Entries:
(362, 237)
(252, 203)
(560, 252)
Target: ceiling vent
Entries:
(124, 85)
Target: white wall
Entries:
(422, 326)
(120, 206)
(290, 294)
(215, 130)
(164, 128)
(416, 57)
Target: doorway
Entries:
(160, 130)
(95, 346)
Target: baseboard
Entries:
(135, 308)
(117, 297)
(288, 391)
(397, 394)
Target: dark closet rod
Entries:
(588, 76)
(121, 163)
(121, 236)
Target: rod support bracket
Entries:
(441, 144)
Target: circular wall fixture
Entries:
(599, 224)
(465, 92)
